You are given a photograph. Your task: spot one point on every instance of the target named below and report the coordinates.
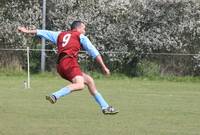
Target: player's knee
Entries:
(81, 86)
(90, 81)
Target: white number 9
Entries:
(66, 39)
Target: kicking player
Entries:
(69, 43)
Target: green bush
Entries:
(12, 72)
(132, 27)
(147, 69)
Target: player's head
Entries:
(78, 26)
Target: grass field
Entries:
(146, 108)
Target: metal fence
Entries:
(28, 60)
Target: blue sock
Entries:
(100, 100)
(62, 92)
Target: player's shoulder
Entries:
(82, 36)
(63, 32)
(71, 32)
(76, 33)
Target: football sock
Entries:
(62, 92)
(100, 100)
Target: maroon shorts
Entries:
(68, 68)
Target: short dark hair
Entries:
(75, 24)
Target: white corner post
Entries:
(28, 66)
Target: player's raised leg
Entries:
(106, 109)
(77, 84)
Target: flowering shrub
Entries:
(132, 27)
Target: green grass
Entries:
(146, 108)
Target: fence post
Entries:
(43, 59)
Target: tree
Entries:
(132, 27)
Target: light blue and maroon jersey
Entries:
(68, 42)
(83, 41)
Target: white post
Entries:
(28, 66)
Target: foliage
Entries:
(147, 69)
(132, 27)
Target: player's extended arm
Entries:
(103, 66)
(92, 51)
(49, 35)
(27, 31)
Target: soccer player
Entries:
(69, 43)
